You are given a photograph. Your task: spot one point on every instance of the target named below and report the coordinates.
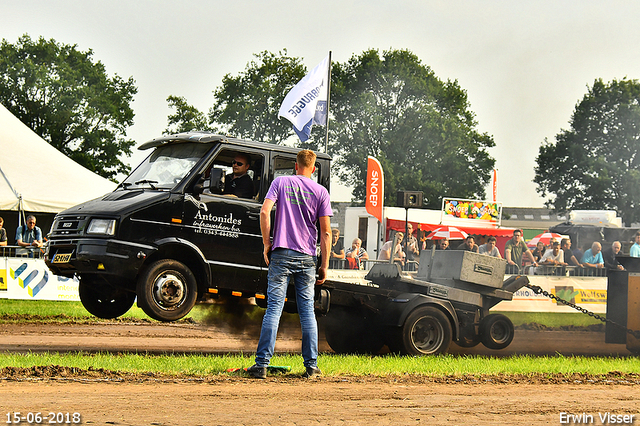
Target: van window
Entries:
(287, 167)
(166, 166)
(252, 163)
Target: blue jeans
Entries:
(285, 264)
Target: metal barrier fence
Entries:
(548, 270)
(17, 251)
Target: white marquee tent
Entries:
(44, 178)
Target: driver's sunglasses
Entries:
(237, 163)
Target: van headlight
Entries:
(102, 226)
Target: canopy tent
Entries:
(38, 176)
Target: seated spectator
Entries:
(489, 248)
(357, 253)
(609, 256)
(552, 257)
(635, 248)
(538, 252)
(443, 244)
(28, 235)
(469, 244)
(592, 258)
(398, 254)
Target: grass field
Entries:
(200, 365)
(331, 364)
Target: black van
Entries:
(168, 234)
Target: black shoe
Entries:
(311, 371)
(257, 372)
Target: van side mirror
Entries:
(216, 185)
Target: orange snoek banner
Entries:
(375, 188)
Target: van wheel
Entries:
(496, 331)
(167, 290)
(426, 331)
(349, 333)
(103, 300)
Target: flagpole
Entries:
(326, 137)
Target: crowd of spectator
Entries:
(555, 258)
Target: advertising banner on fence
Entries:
(25, 278)
(587, 292)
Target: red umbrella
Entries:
(545, 238)
(448, 232)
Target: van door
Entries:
(226, 227)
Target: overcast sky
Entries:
(524, 64)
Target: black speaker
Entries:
(409, 199)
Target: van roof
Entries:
(208, 137)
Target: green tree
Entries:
(595, 164)
(69, 100)
(186, 117)
(420, 128)
(247, 105)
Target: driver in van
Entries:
(239, 183)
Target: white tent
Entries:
(44, 178)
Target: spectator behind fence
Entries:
(337, 247)
(3, 233)
(413, 254)
(469, 244)
(571, 260)
(443, 244)
(609, 256)
(356, 254)
(539, 251)
(28, 235)
(635, 248)
(398, 254)
(592, 258)
(515, 250)
(489, 248)
(552, 257)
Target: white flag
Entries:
(306, 103)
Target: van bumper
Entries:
(112, 258)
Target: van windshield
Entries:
(166, 166)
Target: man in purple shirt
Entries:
(292, 253)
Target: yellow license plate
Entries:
(61, 258)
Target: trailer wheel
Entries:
(348, 333)
(103, 300)
(496, 331)
(426, 331)
(167, 290)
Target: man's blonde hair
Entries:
(306, 159)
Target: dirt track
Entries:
(103, 397)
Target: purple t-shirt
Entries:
(300, 203)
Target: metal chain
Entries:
(538, 290)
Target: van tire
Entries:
(103, 300)
(426, 331)
(167, 290)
